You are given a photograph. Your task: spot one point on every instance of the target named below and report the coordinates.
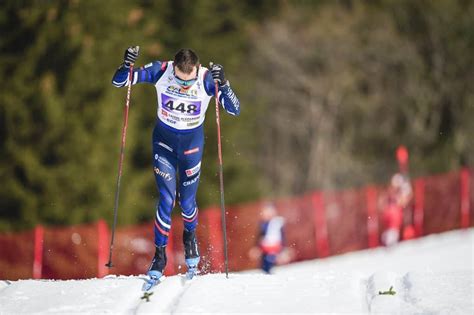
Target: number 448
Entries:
(181, 107)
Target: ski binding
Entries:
(192, 267)
(154, 278)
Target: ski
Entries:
(149, 285)
(192, 264)
(191, 273)
(151, 281)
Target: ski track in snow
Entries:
(433, 275)
(166, 296)
(421, 293)
(186, 284)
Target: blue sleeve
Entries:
(263, 228)
(227, 97)
(149, 73)
(261, 233)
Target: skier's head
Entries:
(268, 211)
(186, 66)
(402, 158)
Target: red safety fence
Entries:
(318, 224)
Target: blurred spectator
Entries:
(400, 194)
(270, 242)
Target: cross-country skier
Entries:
(270, 242)
(184, 89)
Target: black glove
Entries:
(130, 55)
(218, 75)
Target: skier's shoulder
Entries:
(153, 71)
(157, 66)
(278, 221)
(207, 79)
(206, 74)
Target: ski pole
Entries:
(221, 177)
(122, 151)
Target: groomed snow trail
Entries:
(433, 275)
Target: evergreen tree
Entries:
(61, 118)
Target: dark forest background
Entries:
(328, 91)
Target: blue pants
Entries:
(268, 261)
(177, 167)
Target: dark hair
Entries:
(186, 60)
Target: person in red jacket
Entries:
(400, 194)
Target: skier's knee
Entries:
(167, 199)
(188, 206)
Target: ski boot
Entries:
(191, 252)
(155, 272)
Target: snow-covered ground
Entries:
(433, 275)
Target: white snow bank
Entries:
(421, 293)
(434, 275)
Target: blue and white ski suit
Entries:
(271, 241)
(178, 137)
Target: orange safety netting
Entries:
(317, 225)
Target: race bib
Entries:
(181, 109)
(180, 106)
